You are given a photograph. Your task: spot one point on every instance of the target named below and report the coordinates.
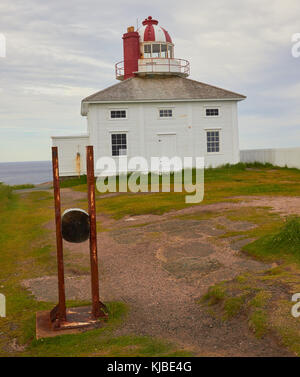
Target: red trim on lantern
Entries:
(149, 21)
(149, 33)
(167, 35)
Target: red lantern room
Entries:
(149, 51)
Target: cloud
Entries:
(58, 91)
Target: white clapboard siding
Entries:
(188, 125)
(68, 147)
(185, 131)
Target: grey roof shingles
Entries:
(162, 88)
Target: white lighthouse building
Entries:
(155, 110)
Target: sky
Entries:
(60, 51)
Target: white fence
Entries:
(289, 157)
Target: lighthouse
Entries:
(149, 51)
(154, 110)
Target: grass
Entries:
(214, 295)
(5, 195)
(28, 251)
(22, 187)
(283, 244)
(221, 184)
(288, 237)
(258, 322)
(73, 182)
(233, 306)
(246, 300)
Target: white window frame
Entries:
(166, 108)
(117, 109)
(212, 116)
(114, 132)
(168, 44)
(220, 140)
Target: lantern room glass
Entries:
(155, 51)
(147, 51)
(164, 51)
(158, 50)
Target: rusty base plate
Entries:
(78, 319)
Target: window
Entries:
(165, 113)
(163, 51)
(115, 114)
(213, 141)
(212, 112)
(119, 144)
(156, 50)
(147, 51)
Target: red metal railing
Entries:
(158, 65)
(119, 68)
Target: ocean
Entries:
(17, 173)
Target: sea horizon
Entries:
(25, 172)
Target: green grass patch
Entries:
(258, 322)
(6, 196)
(73, 181)
(221, 184)
(260, 299)
(233, 306)
(240, 296)
(214, 295)
(283, 244)
(22, 187)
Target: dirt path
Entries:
(161, 269)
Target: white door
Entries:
(166, 148)
(167, 145)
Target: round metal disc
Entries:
(75, 225)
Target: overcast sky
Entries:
(60, 51)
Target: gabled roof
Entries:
(174, 88)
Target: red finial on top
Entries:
(149, 21)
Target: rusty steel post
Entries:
(96, 306)
(61, 314)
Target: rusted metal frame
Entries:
(96, 305)
(60, 311)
